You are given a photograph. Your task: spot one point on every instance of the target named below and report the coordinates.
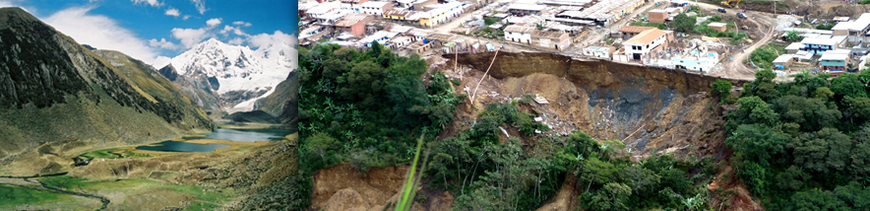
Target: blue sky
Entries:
(156, 30)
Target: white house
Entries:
(641, 44)
(381, 36)
(517, 33)
(375, 7)
(320, 10)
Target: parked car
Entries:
(742, 15)
(722, 10)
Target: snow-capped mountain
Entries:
(238, 75)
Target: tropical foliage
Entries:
(804, 145)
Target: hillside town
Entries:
(707, 38)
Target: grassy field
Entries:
(112, 153)
(129, 194)
(17, 198)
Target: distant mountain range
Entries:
(229, 78)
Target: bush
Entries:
(764, 56)
(827, 26)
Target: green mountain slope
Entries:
(283, 102)
(62, 98)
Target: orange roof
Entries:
(635, 29)
(646, 37)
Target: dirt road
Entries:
(735, 68)
(445, 28)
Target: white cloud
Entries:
(153, 3)
(242, 23)
(235, 30)
(162, 43)
(190, 37)
(185, 17)
(213, 22)
(173, 12)
(200, 6)
(264, 39)
(161, 61)
(236, 41)
(101, 32)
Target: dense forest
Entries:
(368, 109)
(805, 144)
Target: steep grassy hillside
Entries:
(283, 102)
(61, 98)
(198, 89)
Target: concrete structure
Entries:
(320, 10)
(439, 14)
(517, 33)
(855, 30)
(526, 9)
(551, 39)
(352, 5)
(606, 12)
(657, 16)
(332, 17)
(354, 24)
(835, 61)
(415, 4)
(783, 61)
(642, 44)
(698, 62)
(803, 56)
(597, 51)
(817, 45)
(631, 31)
(399, 15)
(793, 47)
(381, 37)
(376, 7)
(718, 26)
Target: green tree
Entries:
(613, 197)
(815, 199)
(722, 88)
(683, 23)
(640, 180)
(596, 172)
(824, 151)
(849, 85)
(758, 143)
(793, 36)
(320, 144)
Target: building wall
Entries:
(518, 37)
(721, 29)
(358, 29)
(833, 63)
(646, 48)
(658, 17)
(377, 10)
